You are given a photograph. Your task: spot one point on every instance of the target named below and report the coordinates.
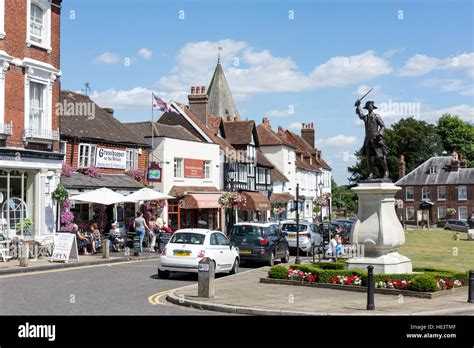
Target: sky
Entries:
(292, 61)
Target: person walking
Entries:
(140, 225)
(152, 228)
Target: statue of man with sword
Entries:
(374, 143)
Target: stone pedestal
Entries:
(378, 229)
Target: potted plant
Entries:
(26, 223)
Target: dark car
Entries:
(262, 242)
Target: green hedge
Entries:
(425, 282)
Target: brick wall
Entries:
(14, 44)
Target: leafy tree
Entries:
(416, 140)
(343, 197)
(458, 135)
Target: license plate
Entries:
(181, 253)
(292, 236)
(245, 251)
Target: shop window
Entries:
(81, 213)
(86, 155)
(178, 167)
(13, 186)
(462, 193)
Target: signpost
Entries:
(65, 247)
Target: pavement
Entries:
(44, 263)
(244, 294)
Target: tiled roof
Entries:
(101, 126)
(161, 130)
(444, 176)
(220, 102)
(111, 181)
(262, 160)
(239, 132)
(302, 146)
(276, 175)
(267, 137)
(281, 197)
(180, 191)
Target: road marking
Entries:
(70, 269)
(155, 298)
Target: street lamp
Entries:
(297, 260)
(321, 185)
(231, 170)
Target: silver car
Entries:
(456, 225)
(308, 235)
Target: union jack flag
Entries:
(160, 104)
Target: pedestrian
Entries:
(331, 248)
(140, 225)
(152, 228)
(159, 222)
(339, 246)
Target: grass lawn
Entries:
(437, 248)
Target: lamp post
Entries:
(230, 170)
(321, 185)
(297, 260)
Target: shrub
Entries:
(330, 265)
(278, 272)
(424, 283)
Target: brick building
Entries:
(441, 188)
(30, 160)
(92, 139)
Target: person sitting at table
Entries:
(82, 242)
(96, 238)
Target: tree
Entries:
(416, 140)
(343, 197)
(458, 135)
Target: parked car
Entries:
(309, 235)
(456, 225)
(263, 242)
(189, 246)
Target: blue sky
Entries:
(294, 61)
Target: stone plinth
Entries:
(378, 229)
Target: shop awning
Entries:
(256, 201)
(281, 197)
(201, 201)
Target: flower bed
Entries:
(430, 280)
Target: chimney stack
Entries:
(455, 162)
(280, 131)
(462, 162)
(198, 102)
(401, 167)
(308, 133)
(109, 110)
(266, 122)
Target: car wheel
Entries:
(286, 259)
(271, 262)
(163, 274)
(235, 267)
(447, 229)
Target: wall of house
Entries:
(283, 158)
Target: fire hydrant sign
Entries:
(65, 247)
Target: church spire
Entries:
(220, 102)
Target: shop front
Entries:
(194, 209)
(280, 205)
(257, 207)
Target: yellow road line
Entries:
(155, 298)
(69, 269)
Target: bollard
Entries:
(470, 297)
(23, 254)
(370, 288)
(106, 248)
(206, 275)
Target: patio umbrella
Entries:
(146, 194)
(100, 196)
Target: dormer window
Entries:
(433, 170)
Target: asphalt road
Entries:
(113, 289)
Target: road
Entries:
(113, 289)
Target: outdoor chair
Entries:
(5, 251)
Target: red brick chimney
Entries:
(280, 131)
(198, 102)
(455, 162)
(401, 167)
(266, 122)
(462, 162)
(308, 133)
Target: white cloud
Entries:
(362, 89)
(295, 125)
(107, 58)
(452, 85)
(392, 52)
(281, 113)
(145, 53)
(420, 64)
(249, 71)
(464, 111)
(338, 141)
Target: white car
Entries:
(190, 245)
(308, 235)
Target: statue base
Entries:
(392, 263)
(378, 229)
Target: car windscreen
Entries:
(188, 238)
(292, 228)
(246, 230)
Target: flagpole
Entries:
(152, 120)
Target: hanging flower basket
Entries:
(322, 201)
(232, 199)
(451, 211)
(136, 174)
(93, 172)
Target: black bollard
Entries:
(370, 288)
(470, 295)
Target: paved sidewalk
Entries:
(44, 263)
(243, 293)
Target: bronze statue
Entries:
(374, 143)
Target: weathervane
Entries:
(219, 49)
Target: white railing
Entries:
(6, 128)
(45, 134)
